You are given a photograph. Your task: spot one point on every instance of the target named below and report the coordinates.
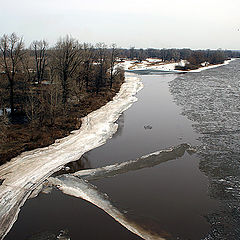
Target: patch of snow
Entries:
(153, 60)
(8, 111)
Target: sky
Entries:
(195, 24)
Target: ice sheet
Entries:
(149, 160)
(82, 189)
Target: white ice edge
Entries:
(81, 189)
(24, 173)
(149, 160)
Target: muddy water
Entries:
(170, 199)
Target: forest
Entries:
(45, 91)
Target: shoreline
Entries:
(22, 137)
(27, 171)
(170, 68)
(226, 62)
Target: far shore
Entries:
(163, 68)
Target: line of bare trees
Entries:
(38, 83)
(193, 56)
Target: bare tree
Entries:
(27, 65)
(11, 48)
(54, 103)
(32, 106)
(67, 58)
(87, 62)
(112, 62)
(3, 127)
(3, 113)
(40, 48)
(132, 53)
(141, 55)
(102, 65)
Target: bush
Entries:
(187, 67)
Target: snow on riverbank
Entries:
(24, 173)
(129, 65)
(213, 66)
(158, 66)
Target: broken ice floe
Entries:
(47, 235)
(149, 160)
(76, 184)
(82, 189)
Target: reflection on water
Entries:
(154, 108)
(82, 189)
(211, 100)
(56, 211)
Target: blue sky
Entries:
(150, 23)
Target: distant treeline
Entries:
(194, 57)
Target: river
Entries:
(174, 199)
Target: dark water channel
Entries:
(171, 197)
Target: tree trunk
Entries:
(11, 98)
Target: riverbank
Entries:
(23, 174)
(161, 68)
(25, 137)
(226, 62)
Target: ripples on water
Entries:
(211, 100)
